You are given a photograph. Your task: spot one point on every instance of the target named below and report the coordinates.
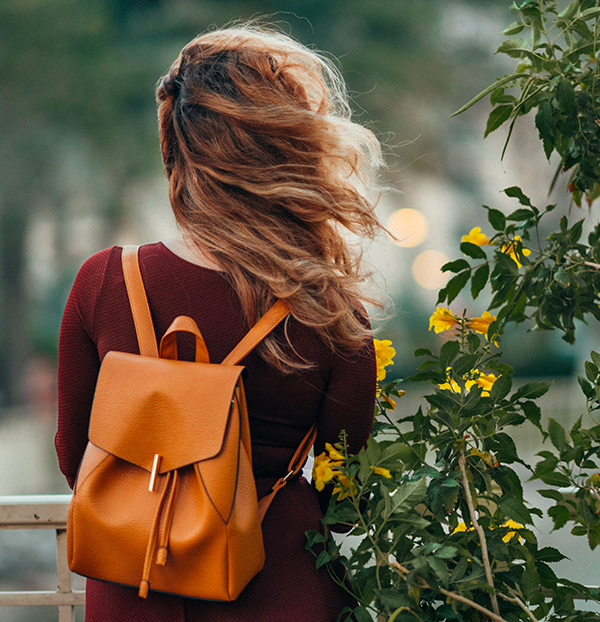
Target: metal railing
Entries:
(43, 512)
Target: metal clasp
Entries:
(155, 468)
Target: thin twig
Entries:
(591, 264)
(468, 601)
(518, 601)
(484, 550)
(403, 571)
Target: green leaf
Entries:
(532, 411)
(501, 388)
(561, 276)
(565, 96)
(315, 537)
(544, 122)
(488, 90)
(456, 266)
(516, 193)
(557, 434)
(392, 599)
(589, 14)
(570, 11)
(554, 478)
(549, 555)
(456, 284)
(464, 364)
(515, 48)
(579, 530)
(594, 536)
(560, 515)
(361, 614)
(515, 509)
(497, 117)
(497, 219)
(532, 390)
(323, 558)
(472, 250)
(530, 580)
(520, 215)
(479, 279)
(551, 494)
(586, 387)
(595, 358)
(448, 353)
(407, 495)
(422, 352)
(513, 29)
(591, 371)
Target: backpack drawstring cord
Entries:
(165, 532)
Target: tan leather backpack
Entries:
(165, 497)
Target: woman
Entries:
(265, 169)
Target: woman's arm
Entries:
(348, 405)
(78, 366)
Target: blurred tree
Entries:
(70, 84)
(77, 128)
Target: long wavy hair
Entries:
(266, 169)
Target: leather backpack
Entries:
(165, 497)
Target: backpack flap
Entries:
(145, 406)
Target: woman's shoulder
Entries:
(107, 262)
(97, 263)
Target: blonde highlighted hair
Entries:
(266, 168)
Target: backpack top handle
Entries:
(144, 327)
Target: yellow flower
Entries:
(481, 324)
(472, 378)
(461, 527)
(345, 488)
(486, 381)
(476, 237)
(510, 249)
(334, 454)
(451, 385)
(442, 319)
(384, 353)
(322, 471)
(390, 403)
(382, 471)
(512, 534)
(506, 538)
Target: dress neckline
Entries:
(187, 261)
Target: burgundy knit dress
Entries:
(337, 392)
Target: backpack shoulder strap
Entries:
(142, 319)
(257, 333)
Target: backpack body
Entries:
(165, 497)
(197, 532)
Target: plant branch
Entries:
(467, 601)
(403, 572)
(484, 551)
(518, 601)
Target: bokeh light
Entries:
(426, 269)
(409, 226)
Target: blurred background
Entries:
(81, 170)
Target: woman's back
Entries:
(336, 392)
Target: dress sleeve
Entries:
(348, 405)
(349, 402)
(78, 365)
